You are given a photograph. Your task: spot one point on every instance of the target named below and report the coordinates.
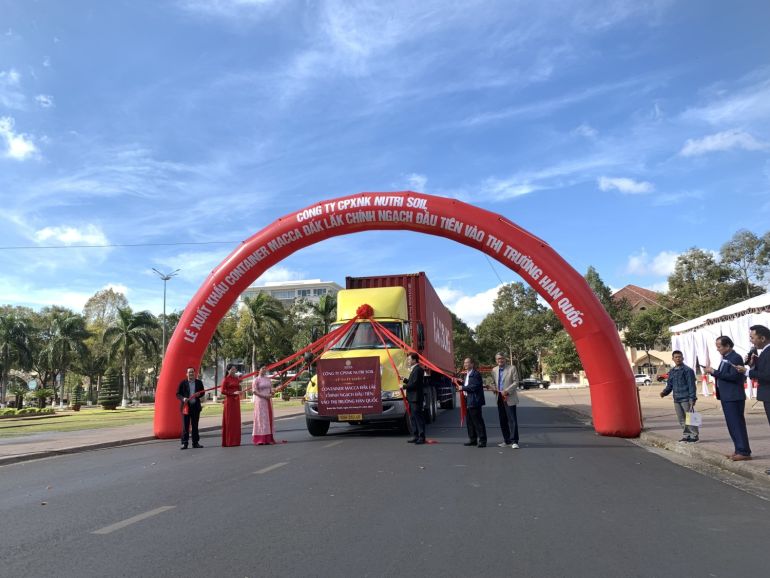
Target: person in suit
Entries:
(760, 365)
(186, 394)
(729, 386)
(473, 389)
(415, 397)
(506, 381)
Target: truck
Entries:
(409, 307)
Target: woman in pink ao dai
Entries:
(262, 434)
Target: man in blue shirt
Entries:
(681, 380)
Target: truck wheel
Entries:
(430, 406)
(450, 403)
(317, 427)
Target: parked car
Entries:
(663, 377)
(533, 383)
(642, 379)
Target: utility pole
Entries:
(165, 277)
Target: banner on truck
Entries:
(349, 386)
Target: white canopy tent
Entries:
(695, 338)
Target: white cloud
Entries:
(667, 199)
(88, 235)
(279, 274)
(625, 185)
(18, 146)
(470, 308)
(501, 189)
(232, 9)
(742, 106)
(661, 265)
(586, 130)
(117, 287)
(20, 291)
(10, 92)
(722, 141)
(44, 100)
(416, 182)
(661, 287)
(194, 266)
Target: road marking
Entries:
(134, 520)
(271, 468)
(331, 445)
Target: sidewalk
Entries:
(662, 430)
(42, 445)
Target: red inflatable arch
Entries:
(613, 392)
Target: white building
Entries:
(287, 292)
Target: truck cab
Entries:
(409, 308)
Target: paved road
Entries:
(364, 503)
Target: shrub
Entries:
(77, 397)
(109, 394)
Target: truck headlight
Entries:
(311, 396)
(386, 395)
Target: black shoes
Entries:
(419, 442)
(412, 441)
(481, 446)
(469, 444)
(184, 447)
(197, 446)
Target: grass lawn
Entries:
(96, 418)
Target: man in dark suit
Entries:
(473, 389)
(760, 365)
(415, 397)
(730, 379)
(185, 393)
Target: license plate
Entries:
(350, 416)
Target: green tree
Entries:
(743, 255)
(14, 345)
(64, 337)
(699, 284)
(325, 311)
(463, 341)
(262, 316)
(519, 325)
(109, 393)
(619, 311)
(101, 309)
(129, 333)
(649, 330)
(561, 356)
(77, 397)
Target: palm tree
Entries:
(65, 342)
(326, 310)
(129, 331)
(263, 314)
(14, 346)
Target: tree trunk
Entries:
(124, 402)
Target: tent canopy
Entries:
(695, 338)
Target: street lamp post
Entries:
(165, 277)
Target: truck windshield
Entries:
(362, 336)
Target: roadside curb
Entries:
(709, 456)
(7, 460)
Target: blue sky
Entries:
(622, 133)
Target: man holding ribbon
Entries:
(189, 393)
(506, 381)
